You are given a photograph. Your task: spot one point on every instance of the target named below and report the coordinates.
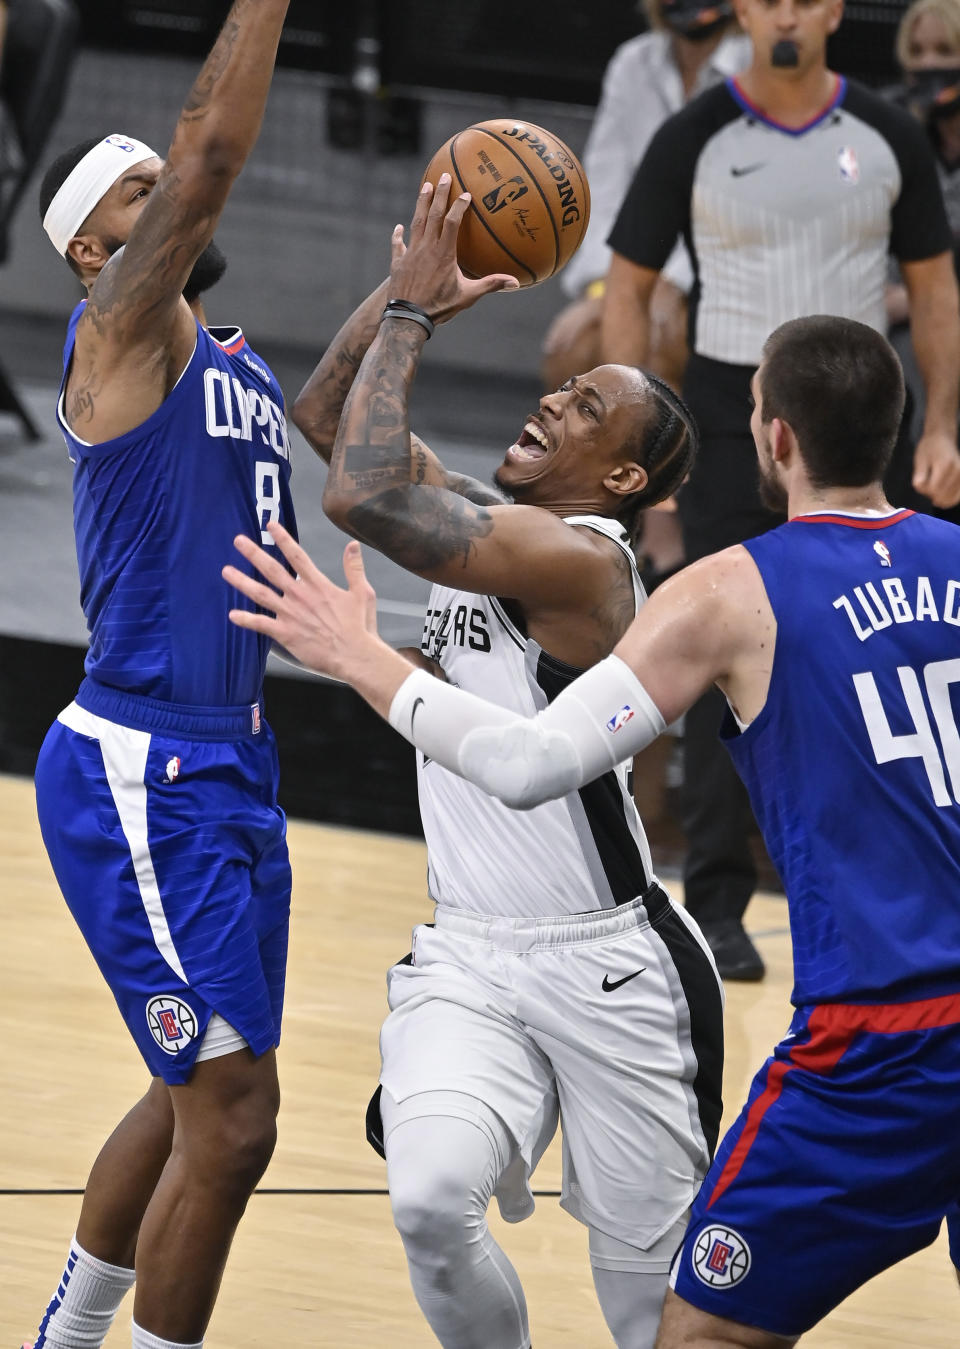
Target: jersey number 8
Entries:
(268, 496)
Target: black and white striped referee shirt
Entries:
(782, 222)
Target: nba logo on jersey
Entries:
(255, 718)
(172, 1023)
(883, 552)
(721, 1257)
(620, 718)
(849, 167)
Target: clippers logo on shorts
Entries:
(620, 718)
(504, 193)
(721, 1257)
(849, 167)
(255, 718)
(883, 552)
(172, 1023)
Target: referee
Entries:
(790, 186)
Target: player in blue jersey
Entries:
(156, 787)
(836, 640)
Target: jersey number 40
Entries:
(940, 762)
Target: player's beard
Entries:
(206, 271)
(773, 494)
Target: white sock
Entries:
(82, 1309)
(142, 1339)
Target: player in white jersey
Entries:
(558, 976)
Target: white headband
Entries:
(80, 192)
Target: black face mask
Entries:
(785, 54)
(931, 94)
(695, 20)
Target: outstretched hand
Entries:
(328, 629)
(425, 271)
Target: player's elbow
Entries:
(336, 505)
(206, 173)
(522, 764)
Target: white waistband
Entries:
(528, 934)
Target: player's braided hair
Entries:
(666, 448)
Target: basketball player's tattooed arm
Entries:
(320, 403)
(137, 332)
(379, 490)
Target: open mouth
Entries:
(531, 444)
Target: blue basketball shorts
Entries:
(170, 849)
(844, 1160)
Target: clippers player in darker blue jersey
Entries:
(836, 640)
(156, 787)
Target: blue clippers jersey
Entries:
(853, 766)
(155, 515)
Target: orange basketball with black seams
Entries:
(530, 200)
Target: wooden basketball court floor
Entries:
(316, 1261)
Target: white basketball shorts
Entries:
(614, 1015)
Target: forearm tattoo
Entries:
(383, 473)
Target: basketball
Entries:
(530, 201)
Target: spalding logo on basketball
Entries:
(172, 1023)
(530, 200)
(721, 1257)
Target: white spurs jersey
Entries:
(583, 852)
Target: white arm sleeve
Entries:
(604, 717)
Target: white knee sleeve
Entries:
(604, 717)
(442, 1170)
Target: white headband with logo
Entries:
(80, 192)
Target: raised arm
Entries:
(320, 403)
(136, 324)
(381, 487)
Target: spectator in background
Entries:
(692, 45)
(11, 157)
(928, 51)
(791, 187)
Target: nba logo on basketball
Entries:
(620, 718)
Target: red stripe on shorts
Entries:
(832, 1027)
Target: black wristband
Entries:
(406, 309)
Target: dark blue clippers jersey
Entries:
(155, 514)
(853, 766)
